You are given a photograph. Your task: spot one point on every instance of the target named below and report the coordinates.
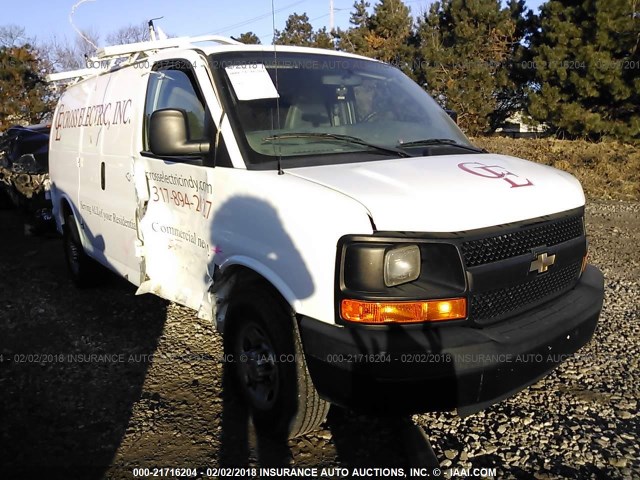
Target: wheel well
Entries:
(239, 276)
(250, 277)
(66, 210)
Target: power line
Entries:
(252, 20)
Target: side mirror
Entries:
(452, 114)
(169, 135)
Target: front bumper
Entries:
(417, 368)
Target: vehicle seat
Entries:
(307, 114)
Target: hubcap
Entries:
(257, 366)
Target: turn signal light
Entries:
(403, 312)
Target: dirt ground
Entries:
(97, 382)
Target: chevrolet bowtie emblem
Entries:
(542, 262)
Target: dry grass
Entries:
(607, 170)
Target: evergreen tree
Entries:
(24, 96)
(297, 31)
(390, 33)
(513, 98)
(249, 38)
(386, 34)
(465, 50)
(323, 39)
(353, 39)
(586, 57)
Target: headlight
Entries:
(401, 265)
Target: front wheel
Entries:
(262, 339)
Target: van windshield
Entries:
(315, 109)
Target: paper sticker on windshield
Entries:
(251, 82)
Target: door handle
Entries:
(102, 179)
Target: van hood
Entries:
(450, 193)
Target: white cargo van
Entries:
(347, 239)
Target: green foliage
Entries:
(513, 99)
(249, 38)
(385, 34)
(24, 96)
(586, 60)
(298, 31)
(465, 52)
(353, 39)
(390, 31)
(323, 39)
(575, 67)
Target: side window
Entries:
(176, 88)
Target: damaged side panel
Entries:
(175, 206)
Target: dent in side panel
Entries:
(175, 209)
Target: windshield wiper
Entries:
(440, 141)
(335, 136)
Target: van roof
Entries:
(117, 56)
(278, 48)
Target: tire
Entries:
(83, 270)
(261, 338)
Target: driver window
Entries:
(176, 88)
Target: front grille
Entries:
(490, 306)
(500, 247)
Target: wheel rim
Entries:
(257, 366)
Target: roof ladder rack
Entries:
(119, 55)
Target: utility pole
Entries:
(330, 15)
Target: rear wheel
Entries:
(84, 271)
(268, 364)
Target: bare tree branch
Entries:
(129, 34)
(12, 36)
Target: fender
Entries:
(221, 290)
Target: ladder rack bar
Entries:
(120, 50)
(56, 77)
(131, 52)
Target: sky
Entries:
(43, 19)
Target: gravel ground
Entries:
(152, 394)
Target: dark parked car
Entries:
(24, 172)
